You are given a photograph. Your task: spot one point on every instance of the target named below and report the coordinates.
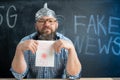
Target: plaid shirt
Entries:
(58, 71)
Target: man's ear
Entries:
(56, 24)
(35, 26)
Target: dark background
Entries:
(92, 25)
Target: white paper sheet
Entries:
(45, 54)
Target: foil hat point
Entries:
(45, 11)
(45, 5)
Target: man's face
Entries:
(46, 25)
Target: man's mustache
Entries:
(46, 27)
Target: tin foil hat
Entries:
(45, 11)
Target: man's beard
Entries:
(42, 36)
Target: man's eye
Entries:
(51, 21)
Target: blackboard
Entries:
(92, 25)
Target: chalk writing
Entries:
(1, 17)
(113, 28)
(106, 35)
(105, 46)
(116, 42)
(90, 46)
(76, 23)
(79, 43)
(9, 16)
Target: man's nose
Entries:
(46, 23)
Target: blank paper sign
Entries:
(45, 54)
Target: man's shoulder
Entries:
(61, 36)
(30, 36)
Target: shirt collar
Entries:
(35, 37)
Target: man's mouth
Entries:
(46, 30)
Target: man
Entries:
(66, 63)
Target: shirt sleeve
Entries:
(66, 74)
(71, 77)
(18, 76)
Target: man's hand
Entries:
(28, 45)
(59, 44)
